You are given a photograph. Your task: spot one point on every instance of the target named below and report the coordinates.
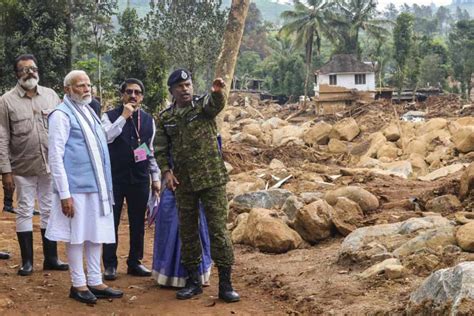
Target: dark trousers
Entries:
(8, 197)
(137, 198)
(214, 201)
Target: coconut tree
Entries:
(306, 23)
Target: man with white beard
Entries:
(81, 214)
(24, 114)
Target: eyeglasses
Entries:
(132, 91)
(28, 70)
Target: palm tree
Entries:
(353, 16)
(306, 22)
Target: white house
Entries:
(345, 71)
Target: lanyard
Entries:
(137, 130)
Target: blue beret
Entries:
(177, 76)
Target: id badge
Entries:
(139, 154)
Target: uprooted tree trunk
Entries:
(231, 43)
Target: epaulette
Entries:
(165, 110)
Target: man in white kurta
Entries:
(81, 213)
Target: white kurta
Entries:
(88, 223)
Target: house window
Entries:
(360, 79)
(332, 80)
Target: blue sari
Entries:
(167, 267)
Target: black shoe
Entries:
(4, 255)
(25, 239)
(9, 209)
(110, 273)
(82, 296)
(193, 285)
(106, 293)
(50, 252)
(139, 270)
(226, 292)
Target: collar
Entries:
(22, 92)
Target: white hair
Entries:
(71, 75)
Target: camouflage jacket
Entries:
(186, 142)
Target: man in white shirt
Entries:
(81, 215)
(130, 132)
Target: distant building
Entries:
(345, 71)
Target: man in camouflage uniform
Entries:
(187, 152)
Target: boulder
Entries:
(465, 121)
(346, 216)
(379, 268)
(443, 204)
(463, 139)
(269, 233)
(273, 123)
(346, 129)
(366, 200)
(238, 234)
(434, 124)
(310, 197)
(388, 150)
(291, 207)
(445, 292)
(418, 164)
(391, 132)
(395, 271)
(235, 188)
(253, 129)
(376, 140)
(313, 222)
(285, 134)
(434, 239)
(276, 164)
(336, 146)
(438, 154)
(245, 138)
(465, 237)
(467, 182)
(400, 168)
(267, 199)
(416, 146)
(442, 172)
(318, 134)
(380, 240)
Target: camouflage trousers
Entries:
(214, 202)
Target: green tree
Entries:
(93, 27)
(191, 31)
(255, 33)
(402, 40)
(306, 23)
(461, 46)
(39, 28)
(129, 49)
(350, 18)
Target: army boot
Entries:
(25, 239)
(50, 252)
(226, 292)
(193, 285)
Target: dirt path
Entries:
(47, 293)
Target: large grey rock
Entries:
(366, 242)
(268, 199)
(366, 200)
(291, 207)
(313, 222)
(443, 204)
(267, 232)
(445, 292)
(433, 239)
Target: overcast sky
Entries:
(383, 3)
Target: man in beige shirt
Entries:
(23, 158)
